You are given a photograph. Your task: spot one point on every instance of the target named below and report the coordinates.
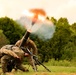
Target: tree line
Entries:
(60, 47)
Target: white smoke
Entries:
(43, 30)
(46, 31)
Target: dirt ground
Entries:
(44, 73)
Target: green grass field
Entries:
(55, 70)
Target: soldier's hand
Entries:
(18, 58)
(26, 54)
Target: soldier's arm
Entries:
(8, 52)
(18, 43)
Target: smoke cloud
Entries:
(43, 30)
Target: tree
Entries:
(11, 29)
(73, 36)
(3, 39)
(73, 27)
(53, 20)
(60, 38)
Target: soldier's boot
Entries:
(24, 69)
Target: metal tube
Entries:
(26, 35)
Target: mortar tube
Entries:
(25, 38)
(26, 35)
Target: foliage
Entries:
(62, 46)
(65, 63)
(74, 27)
(3, 39)
(11, 29)
(53, 20)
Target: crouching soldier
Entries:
(32, 47)
(11, 57)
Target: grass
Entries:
(56, 67)
(66, 63)
(55, 70)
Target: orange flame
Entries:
(39, 14)
(36, 14)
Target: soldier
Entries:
(11, 56)
(32, 47)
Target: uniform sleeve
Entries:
(8, 52)
(18, 43)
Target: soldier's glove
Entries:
(26, 54)
(18, 58)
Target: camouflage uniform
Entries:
(12, 56)
(31, 46)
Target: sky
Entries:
(54, 8)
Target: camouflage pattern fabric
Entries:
(5, 50)
(11, 54)
(31, 46)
